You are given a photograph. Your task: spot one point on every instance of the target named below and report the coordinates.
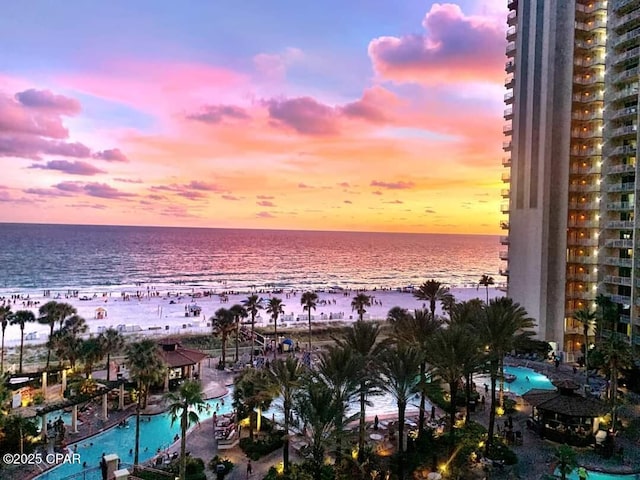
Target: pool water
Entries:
(601, 476)
(526, 379)
(156, 433)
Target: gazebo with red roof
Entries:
(180, 361)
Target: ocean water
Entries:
(58, 257)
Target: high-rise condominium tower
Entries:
(570, 149)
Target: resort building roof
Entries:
(175, 355)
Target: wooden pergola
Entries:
(182, 363)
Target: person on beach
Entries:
(249, 468)
(582, 473)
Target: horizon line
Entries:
(244, 228)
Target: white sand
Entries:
(163, 317)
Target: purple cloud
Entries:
(204, 186)
(265, 203)
(111, 155)
(264, 215)
(376, 192)
(46, 192)
(73, 187)
(102, 190)
(72, 168)
(230, 197)
(265, 197)
(217, 113)
(45, 99)
(344, 184)
(348, 202)
(127, 180)
(304, 185)
(305, 115)
(395, 202)
(392, 185)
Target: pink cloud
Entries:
(33, 146)
(265, 215)
(374, 106)
(392, 185)
(112, 155)
(46, 100)
(265, 197)
(72, 168)
(454, 48)
(273, 66)
(265, 203)
(305, 115)
(102, 190)
(229, 197)
(218, 113)
(16, 118)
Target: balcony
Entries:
(588, 97)
(592, 6)
(582, 170)
(619, 243)
(504, 240)
(583, 242)
(623, 299)
(621, 187)
(586, 134)
(506, 146)
(506, 161)
(508, 113)
(581, 295)
(591, 25)
(504, 193)
(591, 80)
(626, 319)
(614, 280)
(504, 208)
(507, 129)
(590, 115)
(511, 33)
(504, 255)
(630, 54)
(590, 187)
(508, 97)
(627, 130)
(504, 225)
(582, 277)
(584, 205)
(512, 18)
(620, 224)
(632, 73)
(619, 206)
(622, 168)
(578, 223)
(582, 259)
(511, 49)
(624, 112)
(510, 66)
(627, 37)
(624, 93)
(618, 262)
(506, 177)
(629, 17)
(504, 272)
(509, 81)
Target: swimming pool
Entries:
(526, 379)
(602, 476)
(156, 433)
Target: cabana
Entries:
(101, 313)
(182, 362)
(564, 416)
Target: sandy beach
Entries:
(160, 311)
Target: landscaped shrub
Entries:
(500, 452)
(194, 470)
(259, 448)
(218, 460)
(509, 405)
(296, 472)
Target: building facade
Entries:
(570, 148)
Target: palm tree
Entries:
(617, 356)
(340, 369)
(416, 330)
(51, 313)
(92, 350)
(309, 300)
(253, 303)
(587, 318)
(318, 409)
(113, 342)
(432, 291)
(21, 318)
(400, 367)
(181, 406)
(362, 339)
(359, 303)
(223, 325)
(238, 312)
(447, 350)
(607, 315)
(566, 458)
(286, 376)
(275, 309)
(5, 314)
(503, 324)
(485, 281)
(67, 341)
(253, 390)
(146, 367)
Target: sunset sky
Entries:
(369, 115)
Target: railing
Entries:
(583, 259)
(618, 262)
(623, 167)
(623, 3)
(512, 17)
(620, 224)
(582, 277)
(593, 79)
(506, 146)
(506, 177)
(588, 97)
(511, 47)
(627, 36)
(616, 280)
(593, 6)
(584, 205)
(626, 130)
(507, 128)
(504, 239)
(621, 187)
(584, 242)
(626, 92)
(508, 112)
(504, 193)
(580, 170)
(624, 112)
(509, 65)
(504, 225)
(506, 161)
(583, 223)
(619, 206)
(627, 74)
(617, 22)
(580, 115)
(592, 25)
(624, 56)
(504, 208)
(619, 243)
(620, 299)
(504, 255)
(511, 32)
(590, 187)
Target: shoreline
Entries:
(151, 310)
